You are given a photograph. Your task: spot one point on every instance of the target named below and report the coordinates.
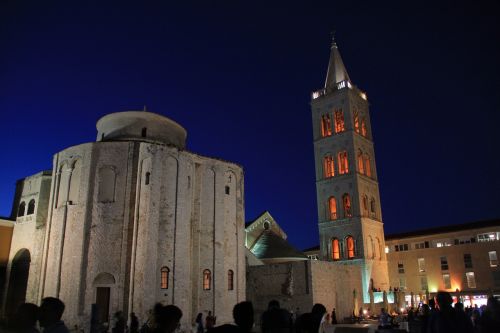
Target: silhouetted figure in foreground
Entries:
(384, 321)
(275, 319)
(49, 315)
(210, 320)
(24, 320)
(120, 323)
(490, 318)
(166, 318)
(243, 318)
(309, 322)
(199, 323)
(448, 319)
(334, 317)
(134, 323)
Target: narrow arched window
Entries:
(22, 208)
(207, 279)
(361, 167)
(332, 208)
(343, 163)
(356, 122)
(335, 249)
(144, 132)
(146, 178)
(326, 125)
(31, 207)
(230, 279)
(350, 247)
(373, 207)
(363, 127)
(328, 167)
(365, 205)
(164, 277)
(346, 200)
(368, 167)
(339, 121)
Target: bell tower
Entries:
(349, 213)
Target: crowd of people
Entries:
(438, 316)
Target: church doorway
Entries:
(18, 281)
(102, 302)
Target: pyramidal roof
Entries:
(336, 69)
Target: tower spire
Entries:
(336, 69)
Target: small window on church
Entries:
(332, 208)
(228, 190)
(328, 167)
(31, 207)
(343, 163)
(165, 272)
(339, 121)
(346, 199)
(146, 178)
(363, 128)
(350, 247)
(372, 206)
(144, 132)
(361, 167)
(356, 122)
(230, 280)
(335, 249)
(22, 208)
(326, 125)
(207, 279)
(368, 168)
(365, 204)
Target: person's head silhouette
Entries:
(243, 316)
(51, 311)
(166, 317)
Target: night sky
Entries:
(238, 76)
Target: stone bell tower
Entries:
(349, 213)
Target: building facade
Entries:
(131, 220)
(461, 259)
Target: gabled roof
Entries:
(336, 69)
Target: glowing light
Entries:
(386, 249)
(363, 95)
(365, 311)
(402, 309)
(433, 290)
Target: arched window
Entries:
(379, 249)
(335, 249)
(350, 247)
(107, 180)
(326, 126)
(328, 167)
(356, 122)
(207, 279)
(74, 182)
(363, 127)
(332, 208)
(31, 207)
(370, 247)
(365, 205)
(339, 121)
(361, 167)
(146, 178)
(373, 207)
(230, 279)
(22, 208)
(368, 168)
(164, 275)
(343, 163)
(346, 199)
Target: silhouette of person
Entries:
(166, 318)
(209, 320)
(309, 322)
(49, 315)
(199, 323)
(334, 317)
(25, 318)
(275, 319)
(134, 323)
(120, 323)
(243, 318)
(448, 319)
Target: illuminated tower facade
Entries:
(349, 213)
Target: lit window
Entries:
(361, 167)
(446, 281)
(471, 279)
(230, 280)
(467, 260)
(423, 283)
(386, 249)
(350, 247)
(346, 200)
(444, 264)
(335, 249)
(164, 277)
(31, 207)
(332, 208)
(328, 167)
(368, 168)
(493, 258)
(356, 122)
(421, 265)
(401, 267)
(207, 279)
(326, 126)
(488, 237)
(22, 208)
(339, 121)
(363, 128)
(343, 163)
(402, 283)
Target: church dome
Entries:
(140, 126)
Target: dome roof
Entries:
(140, 126)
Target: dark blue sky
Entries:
(238, 76)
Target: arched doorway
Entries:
(18, 281)
(103, 284)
